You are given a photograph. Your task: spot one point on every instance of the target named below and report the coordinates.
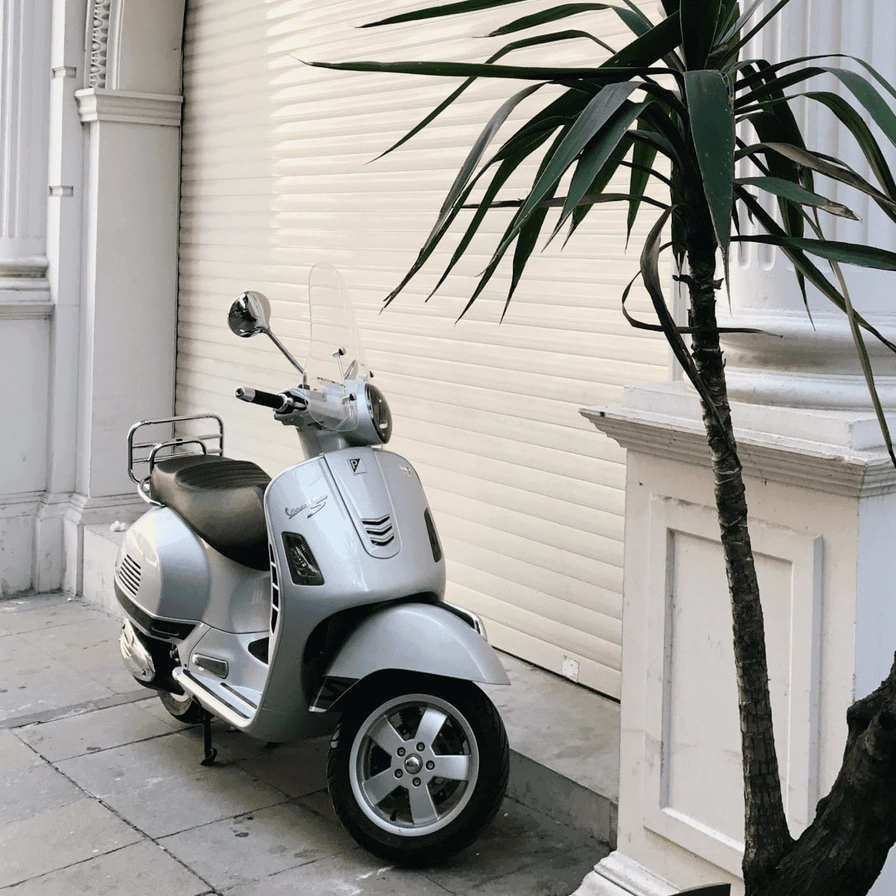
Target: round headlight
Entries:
(379, 413)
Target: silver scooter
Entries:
(314, 601)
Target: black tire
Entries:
(387, 790)
(182, 706)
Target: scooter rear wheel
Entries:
(182, 706)
(417, 766)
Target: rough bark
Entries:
(767, 838)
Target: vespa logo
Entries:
(313, 506)
(357, 465)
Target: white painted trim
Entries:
(99, 104)
(832, 451)
(618, 875)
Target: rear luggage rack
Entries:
(144, 454)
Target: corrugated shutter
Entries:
(528, 497)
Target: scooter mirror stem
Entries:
(249, 315)
(288, 356)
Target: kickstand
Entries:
(210, 753)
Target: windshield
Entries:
(335, 354)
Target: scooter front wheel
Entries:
(418, 766)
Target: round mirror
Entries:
(249, 314)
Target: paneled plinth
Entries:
(820, 490)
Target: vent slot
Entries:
(275, 590)
(379, 531)
(129, 574)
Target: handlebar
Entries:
(257, 396)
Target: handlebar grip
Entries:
(257, 396)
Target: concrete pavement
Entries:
(102, 792)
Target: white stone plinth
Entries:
(821, 492)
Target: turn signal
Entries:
(303, 568)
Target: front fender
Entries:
(424, 638)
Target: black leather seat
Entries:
(221, 499)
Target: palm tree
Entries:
(681, 112)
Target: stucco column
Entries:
(803, 362)
(25, 308)
(131, 114)
(822, 498)
(24, 102)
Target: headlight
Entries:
(380, 414)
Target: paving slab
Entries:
(160, 787)
(553, 875)
(349, 874)
(15, 756)
(91, 732)
(36, 613)
(140, 870)
(27, 791)
(56, 838)
(255, 846)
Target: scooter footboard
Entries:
(426, 638)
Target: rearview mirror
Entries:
(249, 314)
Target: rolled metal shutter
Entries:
(277, 175)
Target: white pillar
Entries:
(822, 498)
(801, 362)
(64, 220)
(131, 113)
(24, 101)
(25, 309)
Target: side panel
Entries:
(171, 573)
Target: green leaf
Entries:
(443, 9)
(712, 129)
(740, 21)
(514, 151)
(868, 96)
(598, 150)
(645, 50)
(554, 14)
(596, 192)
(525, 245)
(511, 156)
(829, 168)
(832, 250)
(792, 192)
(482, 142)
(735, 48)
(698, 27)
(525, 43)
(595, 115)
(863, 136)
(804, 265)
(590, 76)
(643, 157)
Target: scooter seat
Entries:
(221, 499)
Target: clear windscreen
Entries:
(335, 353)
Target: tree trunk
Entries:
(767, 838)
(844, 849)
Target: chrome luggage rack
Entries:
(146, 453)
